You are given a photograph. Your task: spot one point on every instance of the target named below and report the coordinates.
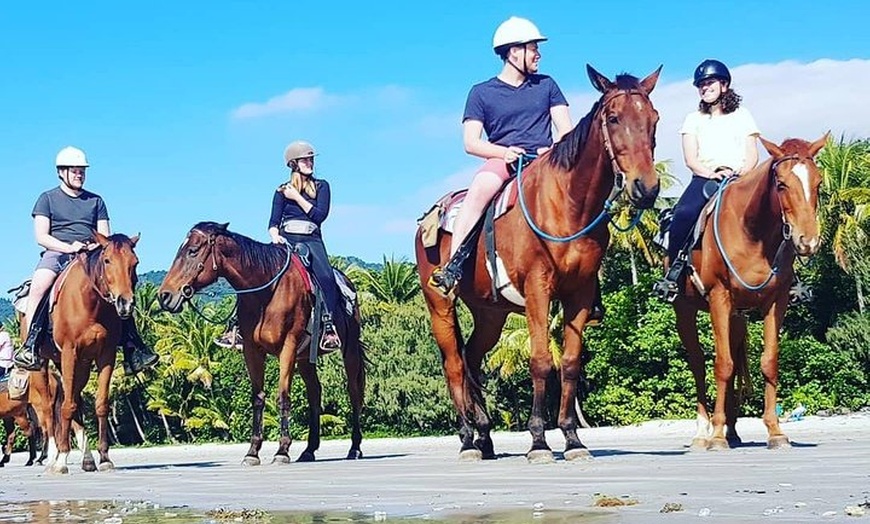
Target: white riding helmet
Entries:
(71, 157)
(516, 31)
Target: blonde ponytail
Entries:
(303, 184)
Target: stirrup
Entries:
(800, 293)
(444, 280)
(26, 358)
(230, 339)
(329, 339)
(666, 290)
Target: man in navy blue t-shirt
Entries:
(517, 110)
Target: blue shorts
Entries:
(54, 261)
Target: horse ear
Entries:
(224, 226)
(772, 148)
(649, 83)
(135, 239)
(816, 146)
(101, 239)
(599, 81)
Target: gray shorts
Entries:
(54, 261)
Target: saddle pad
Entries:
(504, 200)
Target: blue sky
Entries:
(184, 110)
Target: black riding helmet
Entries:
(711, 69)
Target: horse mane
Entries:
(255, 255)
(566, 152)
(93, 259)
(794, 146)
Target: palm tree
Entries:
(638, 239)
(395, 283)
(845, 215)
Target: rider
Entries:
(5, 352)
(517, 109)
(65, 219)
(299, 207)
(719, 140)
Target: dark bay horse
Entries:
(95, 295)
(17, 413)
(274, 307)
(565, 190)
(759, 222)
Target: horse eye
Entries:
(106, 261)
(612, 119)
(193, 252)
(781, 186)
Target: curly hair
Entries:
(729, 101)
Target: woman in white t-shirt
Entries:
(718, 141)
(6, 351)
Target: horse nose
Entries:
(808, 247)
(163, 298)
(124, 306)
(644, 197)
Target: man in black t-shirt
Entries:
(65, 219)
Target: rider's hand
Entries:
(77, 246)
(290, 192)
(722, 173)
(92, 246)
(512, 154)
(542, 150)
(278, 239)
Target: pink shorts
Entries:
(497, 166)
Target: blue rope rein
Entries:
(604, 216)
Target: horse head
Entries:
(797, 180)
(116, 263)
(628, 126)
(195, 266)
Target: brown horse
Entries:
(17, 413)
(564, 191)
(744, 262)
(274, 308)
(95, 295)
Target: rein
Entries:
(786, 232)
(618, 187)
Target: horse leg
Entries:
(540, 366)
(354, 368)
(23, 422)
(720, 316)
(734, 397)
(9, 426)
(286, 363)
(313, 391)
(78, 426)
(41, 396)
(687, 328)
(69, 369)
(104, 379)
(255, 362)
(776, 439)
(574, 320)
(487, 330)
(445, 329)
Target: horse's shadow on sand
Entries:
(600, 453)
(267, 463)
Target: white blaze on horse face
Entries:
(803, 174)
(186, 240)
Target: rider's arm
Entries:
(472, 133)
(41, 229)
(320, 209)
(690, 155)
(561, 120)
(751, 155)
(103, 227)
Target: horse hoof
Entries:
(540, 456)
(577, 454)
(470, 455)
(28, 463)
(107, 466)
(699, 444)
(280, 459)
(306, 456)
(89, 465)
(719, 444)
(250, 461)
(778, 442)
(354, 454)
(58, 469)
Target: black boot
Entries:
(137, 355)
(596, 314)
(27, 356)
(668, 288)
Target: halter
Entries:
(616, 190)
(787, 229)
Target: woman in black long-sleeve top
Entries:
(299, 207)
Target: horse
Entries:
(17, 413)
(744, 261)
(94, 294)
(566, 190)
(274, 307)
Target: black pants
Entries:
(686, 214)
(323, 273)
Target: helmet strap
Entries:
(524, 71)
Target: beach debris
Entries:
(854, 511)
(704, 512)
(604, 501)
(671, 507)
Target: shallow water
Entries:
(129, 512)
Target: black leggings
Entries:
(323, 272)
(686, 214)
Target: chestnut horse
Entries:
(744, 261)
(17, 413)
(566, 190)
(274, 308)
(95, 295)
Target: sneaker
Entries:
(230, 339)
(329, 339)
(443, 280)
(800, 293)
(138, 359)
(27, 358)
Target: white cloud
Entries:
(787, 99)
(296, 100)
